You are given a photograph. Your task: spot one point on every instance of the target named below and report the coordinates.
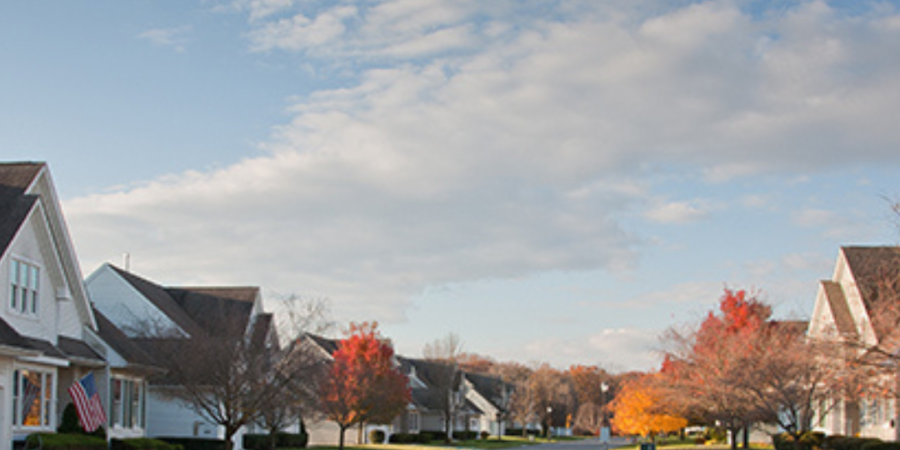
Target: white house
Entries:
(490, 395)
(48, 332)
(132, 303)
(844, 309)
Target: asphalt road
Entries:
(585, 444)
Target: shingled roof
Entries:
(493, 389)
(15, 178)
(837, 304)
(66, 348)
(124, 346)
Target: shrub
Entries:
(424, 438)
(435, 436)
(69, 424)
(195, 443)
(256, 441)
(716, 434)
(142, 444)
(292, 440)
(518, 432)
(808, 441)
(847, 443)
(465, 435)
(376, 436)
(401, 438)
(65, 441)
(485, 435)
(881, 446)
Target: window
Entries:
(32, 398)
(127, 403)
(24, 281)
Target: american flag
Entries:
(87, 403)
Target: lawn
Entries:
(678, 444)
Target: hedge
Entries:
(195, 443)
(518, 432)
(411, 438)
(848, 443)
(881, 446)
(142, 444)
(465, 435)
(55, 441)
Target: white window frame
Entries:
(127, 402)
(24, 287)
(47, 403)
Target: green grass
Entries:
(673, 443)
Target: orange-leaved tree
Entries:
(636, 409)
(363, 385)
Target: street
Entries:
(586, 444)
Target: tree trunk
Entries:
(272, 437)
(446, 427)
(734, 443)
(229, 434)
(341, 437)
(746, 436)
(359, 434)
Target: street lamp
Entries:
(604, 427)
(549, 419)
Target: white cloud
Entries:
(176, 38)
(617, 350)
(484, 148)
(679, 212)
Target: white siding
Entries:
(121, 303)
(171, 418)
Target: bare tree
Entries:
(552, 395)
(232, 370)
(445, 377)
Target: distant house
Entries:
(49, 336)
(132, 303)
(846, 308)
(478, 401)
(490, 396)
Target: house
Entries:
(49, 336)
(860, 304)
(490, 397)
(141, 308)
(478, 401)
(128, 369)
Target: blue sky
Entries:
(551, 180)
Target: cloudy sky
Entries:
(550, 180)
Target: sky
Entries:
(552, 181)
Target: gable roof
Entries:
(328, 346)
(160, 298)
(840, 311)
(26, 187)
(492, 389)
(247, 294)
(433, 375)
(122, 344)
(876, 273)
(215, 315)
(15, 204)
(197, 310)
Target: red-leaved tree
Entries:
(363, 385)
(707, 368)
